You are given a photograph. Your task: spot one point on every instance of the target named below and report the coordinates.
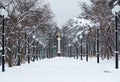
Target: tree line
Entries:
(98, 12)
(28, 29)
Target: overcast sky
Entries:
(65, 9)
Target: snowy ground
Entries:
(61, 69)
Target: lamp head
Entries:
(3, 12)
(116, 9)
(115, 5)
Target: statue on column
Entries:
(59, 38)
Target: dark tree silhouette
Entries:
(111, 3)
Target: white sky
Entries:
(65, 9)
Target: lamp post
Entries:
(70, 51)
(97, 41)
(81, 47)
(19, 43)
(4, 15)
(115, 12)
(27, 44)
(3, 44)
(86, 51)
(86, 32)
(116, 39)
(19, 50)
(28, 55)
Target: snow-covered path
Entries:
(61, 69)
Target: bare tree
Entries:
(101, 12)
(26, 18)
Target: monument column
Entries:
(59, 39)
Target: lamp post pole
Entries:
(70, 51)
(81, 49)
(86, 49)
(19, 49)
(4, 15)
(86, 45)
(28, 55)
(3, 44)
(116, 39)
(116, 11)
(97, 43)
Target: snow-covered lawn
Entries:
(61, 69)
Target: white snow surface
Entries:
(3, 12)
(61, 69)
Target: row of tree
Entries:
(80, 36)
(31, 31)
(27, 30)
